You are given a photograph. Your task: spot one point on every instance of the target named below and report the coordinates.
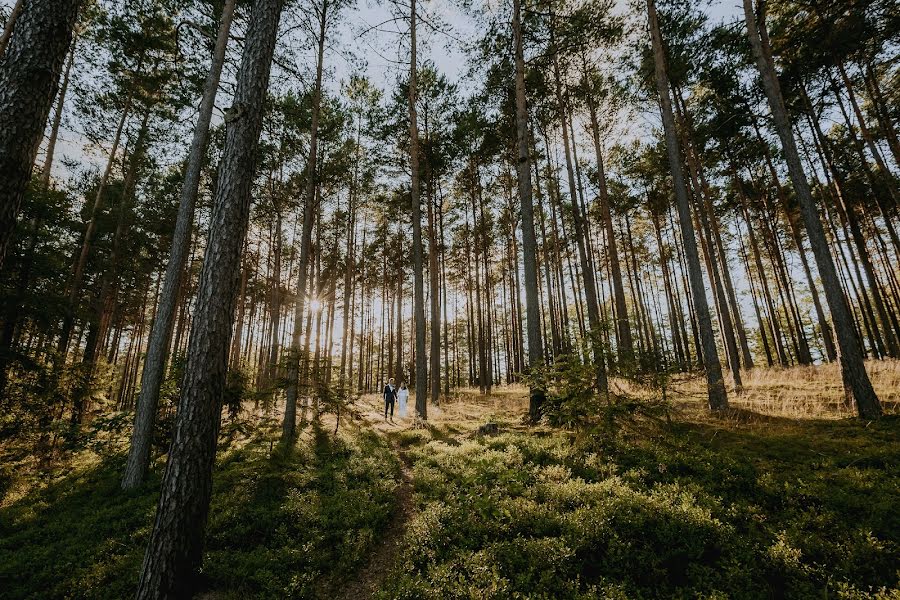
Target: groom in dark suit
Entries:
(390, 395)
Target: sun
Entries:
(315, 305)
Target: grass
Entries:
(283, 523)
(783, 496)
(757, 503)
(697, 512)
(802, 392)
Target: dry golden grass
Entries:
(459, 414)
(813, 392)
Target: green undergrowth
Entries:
(284, 523)
(779, 509)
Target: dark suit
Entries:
(390, 395)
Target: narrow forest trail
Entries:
(446, 423)
(383, 558)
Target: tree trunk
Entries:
(435, 309)
(529, 242)
(870, 77)
(175, 550)
(161, 331)
(853, 371)
(418, 262)
(715, 384)
(702, 212)
(444, 320)
(10, 25)
(87, 239)
(289, 424)
(57, 120)
(624, 343)
(29, 78)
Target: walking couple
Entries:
(391, 394)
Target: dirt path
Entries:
(384, 556)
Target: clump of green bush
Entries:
(520, 516)
(301, 521)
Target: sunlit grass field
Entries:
(783, 496)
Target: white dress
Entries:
(402, 396)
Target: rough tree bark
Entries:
(29, 76)
(418, 262)
(174, 552)
(718, 399)
(529, 241)
(161, 331)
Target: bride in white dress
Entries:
(403, 396)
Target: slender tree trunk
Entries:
(444, 320)
(418, 262)
(624, 344)
(175, 549)
(57, 119)
(10, 24)
(90, 229)
(349, 267)
(715, 384)
(870, 77)
(161, 331)
(853, 371)
(435, 309)
(701, 217)
(399, 375)
(271, 368)
(824, 325)
(870, 142)
(677, 340)
(289, 424)
(486, 309)
(529, 242)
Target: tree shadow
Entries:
(80, 536)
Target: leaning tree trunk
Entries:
(88, 236)
(715, 383)
(57, 120)
(161, 332)
(174, 553)
(624, 346)
(418, 261)
(10, 24)
(853, 370)
(29, 76)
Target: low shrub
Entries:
(665, 517)
(290, 524)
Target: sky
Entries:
(368, 32)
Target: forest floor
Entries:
(784, 496)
